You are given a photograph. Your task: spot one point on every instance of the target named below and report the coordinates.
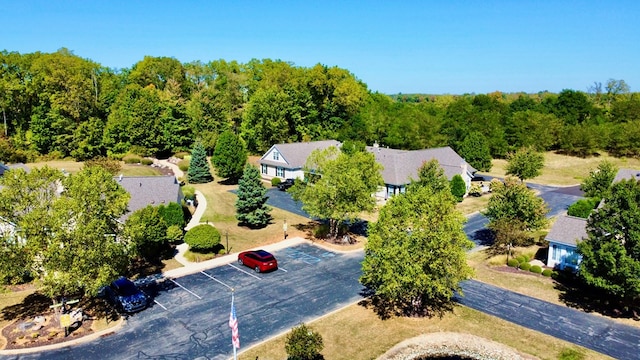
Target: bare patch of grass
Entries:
(355, 332)
(472, 204)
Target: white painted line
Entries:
(160, 305)
(185, 289)
(214, 279)
(246, 272)
(279, 268)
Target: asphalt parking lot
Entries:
(190, 314)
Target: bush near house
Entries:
(525, 266)
(536, 269)
(183, 165)
(275, 181)
(547, 272)
(513, 263)
(146, 161)
(131, 159)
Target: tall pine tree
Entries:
(251, 208)
(199, 172)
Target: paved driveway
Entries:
(190, 318)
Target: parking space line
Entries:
(279, 268)
(185, 289)
(162, 306)
(246, 272)
(214, 279)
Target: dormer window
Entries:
(276, 155)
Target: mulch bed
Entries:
(41, 330)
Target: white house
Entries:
(399, 166)
(563, 238)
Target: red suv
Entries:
(259, 260)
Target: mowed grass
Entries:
(355, 333)
(565, 170)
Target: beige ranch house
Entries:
(399, 166)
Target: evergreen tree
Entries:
(229, 156)
(251, 208)
(458, 187)
(199, 172)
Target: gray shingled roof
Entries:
(149, 190)
(296, 154)
(567, 230)
(625, 174)
(401, 166)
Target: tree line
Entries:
(60, 105)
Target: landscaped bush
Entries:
(174, 234)
(189, 192)
(583, 208)
(202, 238)
(275, 181)
(146, 161)
(183, 165)
(172, 214)
(527, 258)
(181, 154)
(571, 354)
(475, 190)
(536, 269)
(547, 272)
(520, 259)
(513, 263)
(303, 343)
(525, 266)
(131, 159)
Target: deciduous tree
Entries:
(431, 175)
(599, 181)
(303, 343)
(251, 205)
(146, 231)
(342, 188)
(415, 256)
(611, 253)
(525, 163)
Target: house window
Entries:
(276, 155)
(263, 168)
(556, 253)
(280, 172)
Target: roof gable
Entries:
(295, 154)
(568, 230)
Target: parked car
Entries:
(125, 295)
(258, 260)
(287, 183)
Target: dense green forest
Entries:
(59, 105)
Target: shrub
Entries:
(525, 266)
(146, 161)
(583, 207)
(131, 159)
(275, 181)
(322, 231)
(172, 214)
(547, 272)
(112, 166)
(527, 258)
(520, 259)
(202, 237)
(536, 269)
(475, 190)
(183, 165)
(174, 234)
(458, 187)
(189, 192)
(513, 263)
(571, 354)
(181, 154)
(303, 343)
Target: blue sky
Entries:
(392, 46)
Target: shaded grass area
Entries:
(355, 332)
(566, 170)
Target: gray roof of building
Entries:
(296, 154)
(401, 166)
(626, 174)
(568, 230)
(149, 190)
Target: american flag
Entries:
(233, 324)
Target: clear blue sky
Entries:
(392, 46)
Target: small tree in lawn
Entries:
(599, 181)
(458, 187)
(304, 343)
(229, 156)
(199, 172)
(202, 238)
(251, 206)
(525, 163)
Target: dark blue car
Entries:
(126, 296)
